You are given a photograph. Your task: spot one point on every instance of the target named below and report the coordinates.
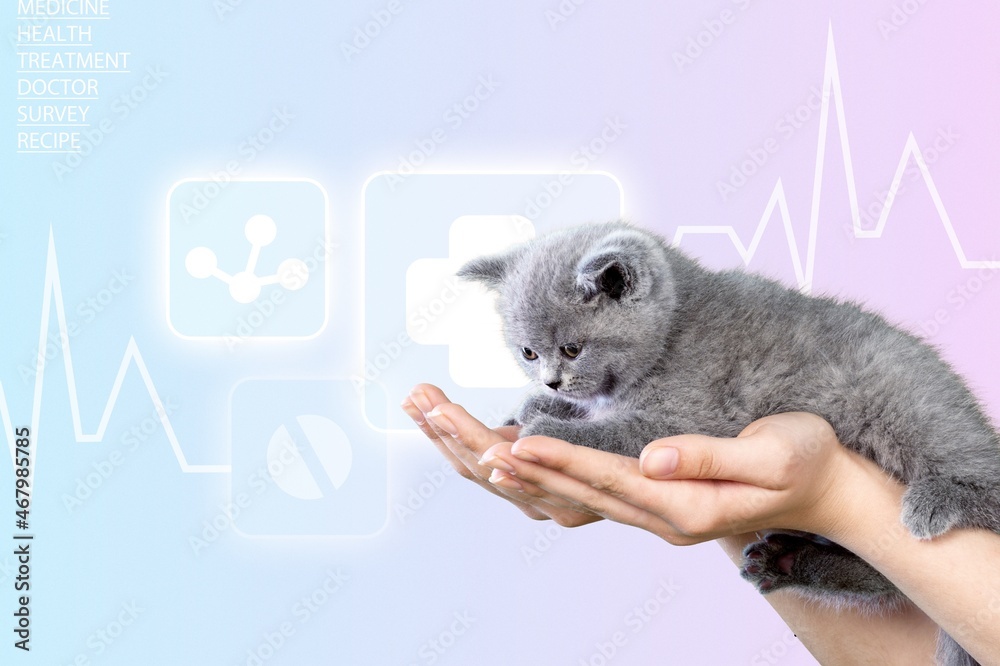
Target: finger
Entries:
(466, 431)
(505, 486)
(427, 428)
(583, 498)
(564, 512)
(509, 432)
(469, 469)
(510, 481)
(463, 439)
(583, 477)
(526, 509)
(606, 472)
(441, 429)
(427, 397)
(478, 474)
(452, 447)
(435, 435)
(750, 459)
(683, 510)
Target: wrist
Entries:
(862, 506)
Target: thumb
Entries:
(703, 457)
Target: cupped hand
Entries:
(782, 472)
(462, 440)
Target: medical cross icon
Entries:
(444, 310)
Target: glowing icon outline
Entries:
(325, 279)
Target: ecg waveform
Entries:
(911, 150)
(53, 297)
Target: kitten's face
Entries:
(578, 352)
(585, 310)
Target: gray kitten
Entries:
(629, 340)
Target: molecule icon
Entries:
(244, 287)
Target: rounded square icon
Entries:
(304, 462)
(247, 259)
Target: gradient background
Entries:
(463, 551)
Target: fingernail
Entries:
(442, 421)
(412, 411)
(498, 478)
(519, 452)
(421, 400)
(496, 462)
(660, 462)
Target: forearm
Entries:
(954, 578)
(848, 637)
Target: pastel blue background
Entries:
(538, 594)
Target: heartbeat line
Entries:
(53, 296)
(804, 275)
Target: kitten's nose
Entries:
(554, 385)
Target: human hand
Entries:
(462, 440)
(782, 472)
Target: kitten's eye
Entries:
(571, 351)
(528, 354)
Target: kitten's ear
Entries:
(607, 273)
(617, 267)
(490, 270)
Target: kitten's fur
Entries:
(667, 347)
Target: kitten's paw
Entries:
(768, 563)
(575, 432)
(547, 426)
(817, 567)
(536, 407)
(933, 505)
